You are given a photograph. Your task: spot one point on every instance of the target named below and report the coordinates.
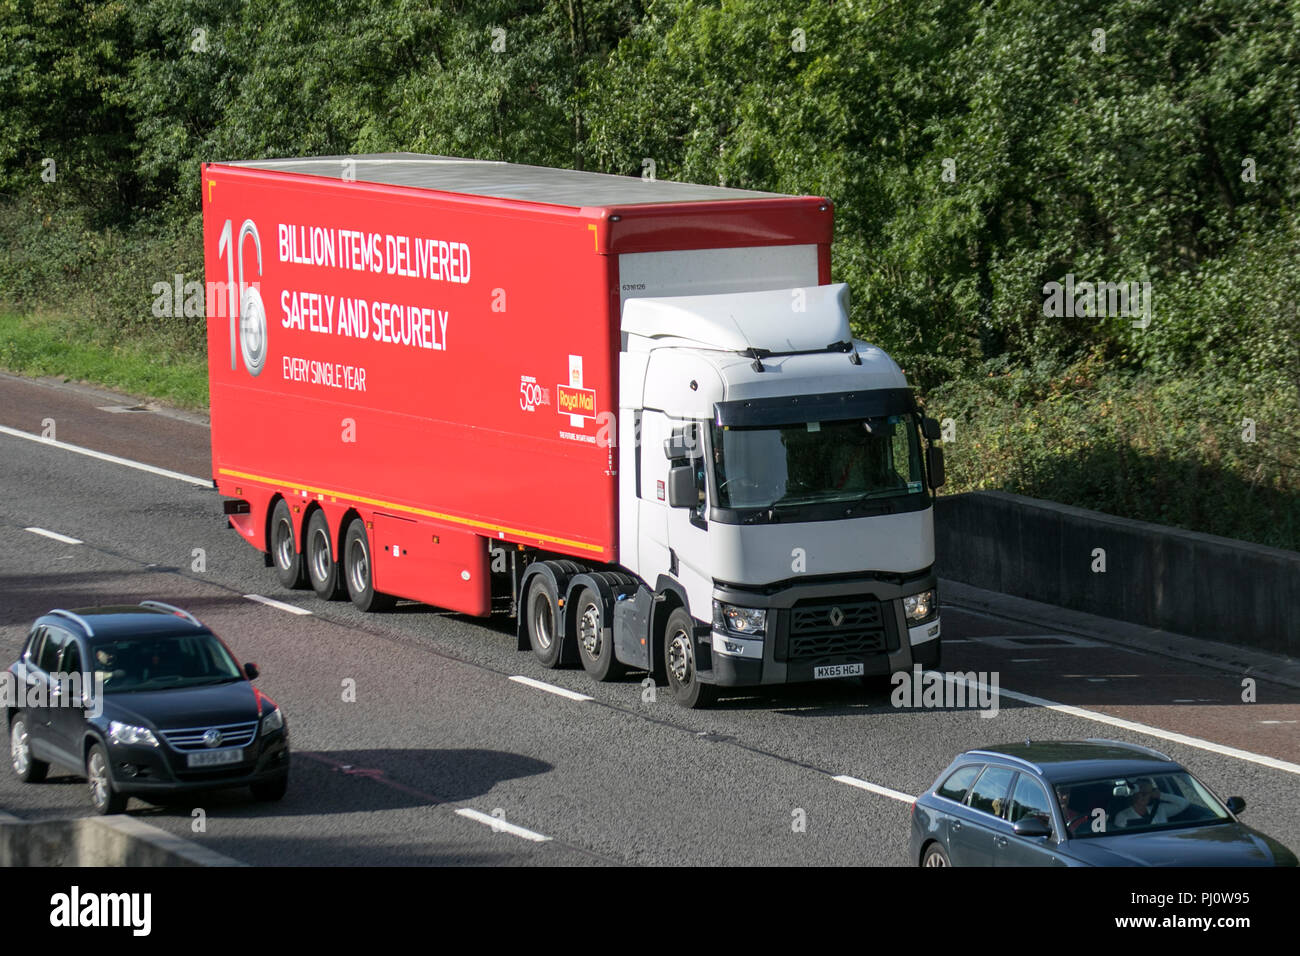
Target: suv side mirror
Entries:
(681, 487)
(934, 465)
(251, 671)
(1236, 805)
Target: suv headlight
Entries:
(745, 621)
(121, 733)
(920, 607)
(272, 722)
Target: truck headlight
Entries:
(272, 722)
(919, 607)
(747, 621)
(121, 733)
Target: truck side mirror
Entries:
(681, 487)
(934, 465)
(684, 443)
(930, 428)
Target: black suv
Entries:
(144, 701)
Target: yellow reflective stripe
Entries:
(393, 506)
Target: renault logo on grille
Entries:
(212, 738)
(837, 617)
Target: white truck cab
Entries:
(776, 481)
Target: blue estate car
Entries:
(142, 700)
(1080, 803)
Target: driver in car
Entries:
(1148, 806)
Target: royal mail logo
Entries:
(575, 402)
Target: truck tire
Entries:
(359, 570)
(544, 621)
(322, 569)
(679, 662)
(290, 567)
(595, 649)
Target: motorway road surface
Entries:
(441, 743)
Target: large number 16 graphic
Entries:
(252, 314)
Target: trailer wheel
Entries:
(544, 622)
(359, 570)
(679, 661)
(322, 569)
(290, 567)
(595, 649)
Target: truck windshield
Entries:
(811, 463)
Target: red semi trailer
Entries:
(435, 379)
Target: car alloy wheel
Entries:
(102, 795)
(19, 750)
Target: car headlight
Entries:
(272, 722)
(919, 607)
(745, 621)
(121, 733)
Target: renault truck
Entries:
(629, 413)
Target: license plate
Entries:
(837, 670)
(215, 758)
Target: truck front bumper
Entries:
(819, 625)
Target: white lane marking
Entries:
(496, 823)
(875, 788)
(1169, 735)
(103, 456)
(55, 535)
(550, 688)
(271, 602)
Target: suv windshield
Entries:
(1094, 808)
(159, 663)
(817, 462)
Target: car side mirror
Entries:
(681, 487)
(930, 428)
(1032, 827)
(1236, 805)
(251, 671)
(934, 465)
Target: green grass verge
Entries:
(150, 365)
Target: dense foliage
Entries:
(975, 151)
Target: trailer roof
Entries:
(481, 177)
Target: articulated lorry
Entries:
(630, 413)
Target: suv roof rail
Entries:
(172, 609)
(76, 618)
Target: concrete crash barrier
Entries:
(95, 841)
(1188, 583)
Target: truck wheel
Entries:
(543, 622)
(290, 568)
(595, 650)
(322, 569)
(358, 570)
(679, 661)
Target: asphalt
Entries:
(438, 732)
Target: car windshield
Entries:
(817, 462)
(158, 663)
(1116, 805)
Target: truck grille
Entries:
(191, 738)
(827, 628)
